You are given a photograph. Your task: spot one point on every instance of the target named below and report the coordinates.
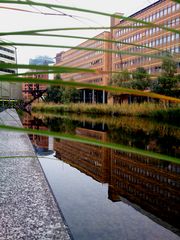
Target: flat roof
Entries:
(82, 43)
(143, 9)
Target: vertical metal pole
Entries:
(104, 96)
(84, 123)
(84, 96)
(93, 96)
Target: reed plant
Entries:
(143, 109)
(135, 109)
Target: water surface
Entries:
(109, 194)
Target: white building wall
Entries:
(9, 90)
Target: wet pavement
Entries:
(28, 209)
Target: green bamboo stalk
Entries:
(85, 49)
(36, 34)
(79, 139)
(44, 67)
(5, 78)
(33, 3)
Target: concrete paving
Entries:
(28, 209)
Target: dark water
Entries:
(109, 194)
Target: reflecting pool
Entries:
(106, 193)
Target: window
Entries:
(177, 7)
(165, 11)
(169, 10)
(161, 13)
(169, 38)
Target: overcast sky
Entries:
(17, 21)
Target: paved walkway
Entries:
(27, 207)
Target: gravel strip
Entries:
(28, 209)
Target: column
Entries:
(93, 96)
(84, 96)
(104, 96)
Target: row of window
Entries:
(97, 80)
(153, 17)
(81, 58)
(146, 173)
(142, 60)
(162, 40)
(162, 13)
(155, 43)
(158, 69)
(96, 44)
(172, 23)
(79, 76)
(7, 70)
(145, 34)
(145, 160)
(7, 57)
(90, 64)
(6, 50)
(151, 70)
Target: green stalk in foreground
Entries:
(9, 78)
(79, 139)
(58, 6)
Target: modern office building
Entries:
(9, 90)
(30, 90)
(162, 12)
(88, 59)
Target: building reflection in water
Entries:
(89, 159)
(151, 186)
(40, 143)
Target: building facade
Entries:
(30, 90)
(9, 90)
(162, 12)
(92, 60)
(147, 40)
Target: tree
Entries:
(120, 79)
(141, 79)
(60, 94)
(169, 66)
(167, 82)
(55, 93)
(70, 95)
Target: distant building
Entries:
(41, 60)
(88, 59)
(9, 90)
(32, 89)
(162, 12)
